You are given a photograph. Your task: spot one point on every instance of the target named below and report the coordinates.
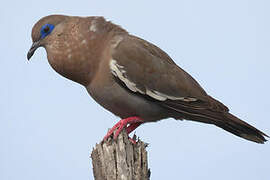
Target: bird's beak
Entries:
(33, 48)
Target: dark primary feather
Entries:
(222, 119)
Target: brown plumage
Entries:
(128, 75)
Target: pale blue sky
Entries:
(49, 125)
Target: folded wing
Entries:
(143, 68)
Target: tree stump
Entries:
(120, 160)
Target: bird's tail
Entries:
(224, 120)
(242, 129)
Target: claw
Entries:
(133, 123)
(132, 141)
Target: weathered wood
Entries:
(120, 160)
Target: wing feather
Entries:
(146, 69)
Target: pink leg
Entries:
(132, 127)
(133, 122)
(132, 141)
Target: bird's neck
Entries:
(77, 53)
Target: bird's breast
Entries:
(72, 60)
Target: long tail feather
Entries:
(224, 120)
(242, 129)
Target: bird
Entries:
(129, 76)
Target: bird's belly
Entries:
(125, 104)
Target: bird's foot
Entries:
(133, 141)
(133, 123)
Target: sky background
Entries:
(49, 125)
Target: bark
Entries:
(120, 160)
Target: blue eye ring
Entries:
(46, 30)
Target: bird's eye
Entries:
(46, 30)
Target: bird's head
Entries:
(42, 30)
